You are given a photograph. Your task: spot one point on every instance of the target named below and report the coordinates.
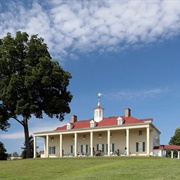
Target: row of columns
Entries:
(46, 144)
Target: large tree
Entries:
(175, 140)
(30, 82)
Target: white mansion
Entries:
(121, 135)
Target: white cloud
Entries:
(35, 125)
(15, 135)
(138, 94)
(86, 26)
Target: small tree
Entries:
(3, 154)
(31, 143)
(15, 154)
(30, 83)
(175, 140)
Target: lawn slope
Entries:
(91, 168)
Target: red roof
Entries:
(111, 121)
(167, 147)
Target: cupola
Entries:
(98, 111)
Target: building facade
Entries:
(117, 135)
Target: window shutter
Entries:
(106, 148)
(102, 147)
(49, 149)
(54, 150)
(81, 148)
(112, 147)
(137, 146)
(71, 148)
(97, 147)
(86, 148)
(144, 147)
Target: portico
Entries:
(107, 137)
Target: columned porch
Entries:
(126, 141)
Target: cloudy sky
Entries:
(127, 50)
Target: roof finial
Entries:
(99, 95)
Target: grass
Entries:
(91, 168)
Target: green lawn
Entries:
(91, 168)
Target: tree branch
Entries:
(18, 121)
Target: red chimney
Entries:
(127, 112)
(73, 118)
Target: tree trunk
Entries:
(26, 134)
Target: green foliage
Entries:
(105, 168)
(3, 155)
(175, 140)
(30, 82)
(15, 154)
(2, 148)
(31, 142)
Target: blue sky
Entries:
(127, 50)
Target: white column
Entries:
(161, 153)
(164, 153)
(151, 143)
(147, 140)
(75, 144)
(108, 142)
(44, 147)
(127, 142)
(35, 146)
(172, 153)
(91, 142)
(47, 146)
(178, 155)
(60, 145)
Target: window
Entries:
(112, 149)
(140, 147)
(140, 132)
(92, 123)
(100, 147)
(69, 126)
(120, 121)
(52, 150)
(84, 148)
(96, 113)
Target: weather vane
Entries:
(99, 95)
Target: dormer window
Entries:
(69, 126)
(120, 121)
(92, 124)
